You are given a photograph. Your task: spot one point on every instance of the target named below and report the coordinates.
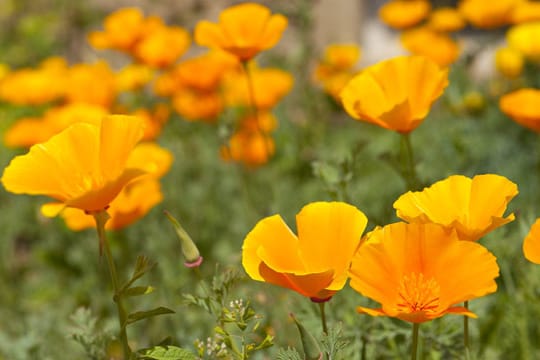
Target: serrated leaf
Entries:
(138, 290)
(167, 353)
(140, 315)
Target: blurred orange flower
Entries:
(84, 88)
(522, 106)
(243, 30)
(122, 29)
(395, 94)
(526, 11)
(446, 19)
(525, 38)
(133, 77)
(401, 14)
(83, 167)
(26, 132)
(437, 46)
(198, 105)
(162, 46)
(154, 120)
(487, 14)
(531, 244)
(314, 263)
(509, 62)
(251, 148)
(418, 272)
(473, 207)
(270, 85)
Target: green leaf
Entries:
(142, 266)
(167, 353)
(140, 315)
(138, 290)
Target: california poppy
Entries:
(509, 62)
(419, 272)
(473, 207)
(531, 244)
(401, 14)
(315, 262)
(446, 19)
(487, 15)
(525, 38)
(122, 29)
(83, 166)
(437, 46)
(522, 107)
(395, 94)
(243, 30)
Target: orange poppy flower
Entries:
(84, 88)
(526, 11)
(315, 262)
(204, 72)
(270, 85)
(162, 46)
(473, 207)
(395, 94)
(251, 148)
(133, 77)
(525, 38)
(195, 105)
(122, 29)
(401, 14)
(487, 14)
(531, 244)
(522, 107)
(243, 30)
(432, 44)
(83, 167)
(446, 19)
(418, 272)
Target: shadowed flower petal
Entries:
(531, 244)
(313, 264)
(473, 207)
(418, 272)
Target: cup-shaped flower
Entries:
(525, 38)
(531, 244)
(437, 46)
(83, 166)
(487, 15)
(401, 14)
(446, 19)
(243, 30)
(522, 106)
(419, 272)
(395, 94)
(473, 207)
(314, 263)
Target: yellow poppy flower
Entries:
(395, 94)
(531, 244)
(401, 14)
(509, 62)
(132, 203)
(446, 19)
(432, 44)
(487, 14)
(418, 272)
(83, 167)
(473, 207)
(243, 30)
(341, 56)
(525, 38)
(315, 262)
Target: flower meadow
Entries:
(219, 187)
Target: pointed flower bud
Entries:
(311, 348)
(189, 249)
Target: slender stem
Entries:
(414, 345)
(466, 328)
(407, 162)
(101, 218)
(254, 109)
(323, 317)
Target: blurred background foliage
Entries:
(48, 273)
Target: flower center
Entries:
(418, 294)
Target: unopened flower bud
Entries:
(189, 249)
(311, 348)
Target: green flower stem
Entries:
(466, 328)
(254, 109)
(101, 218)
(323, 317)
(407, 162)
(414, 345)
